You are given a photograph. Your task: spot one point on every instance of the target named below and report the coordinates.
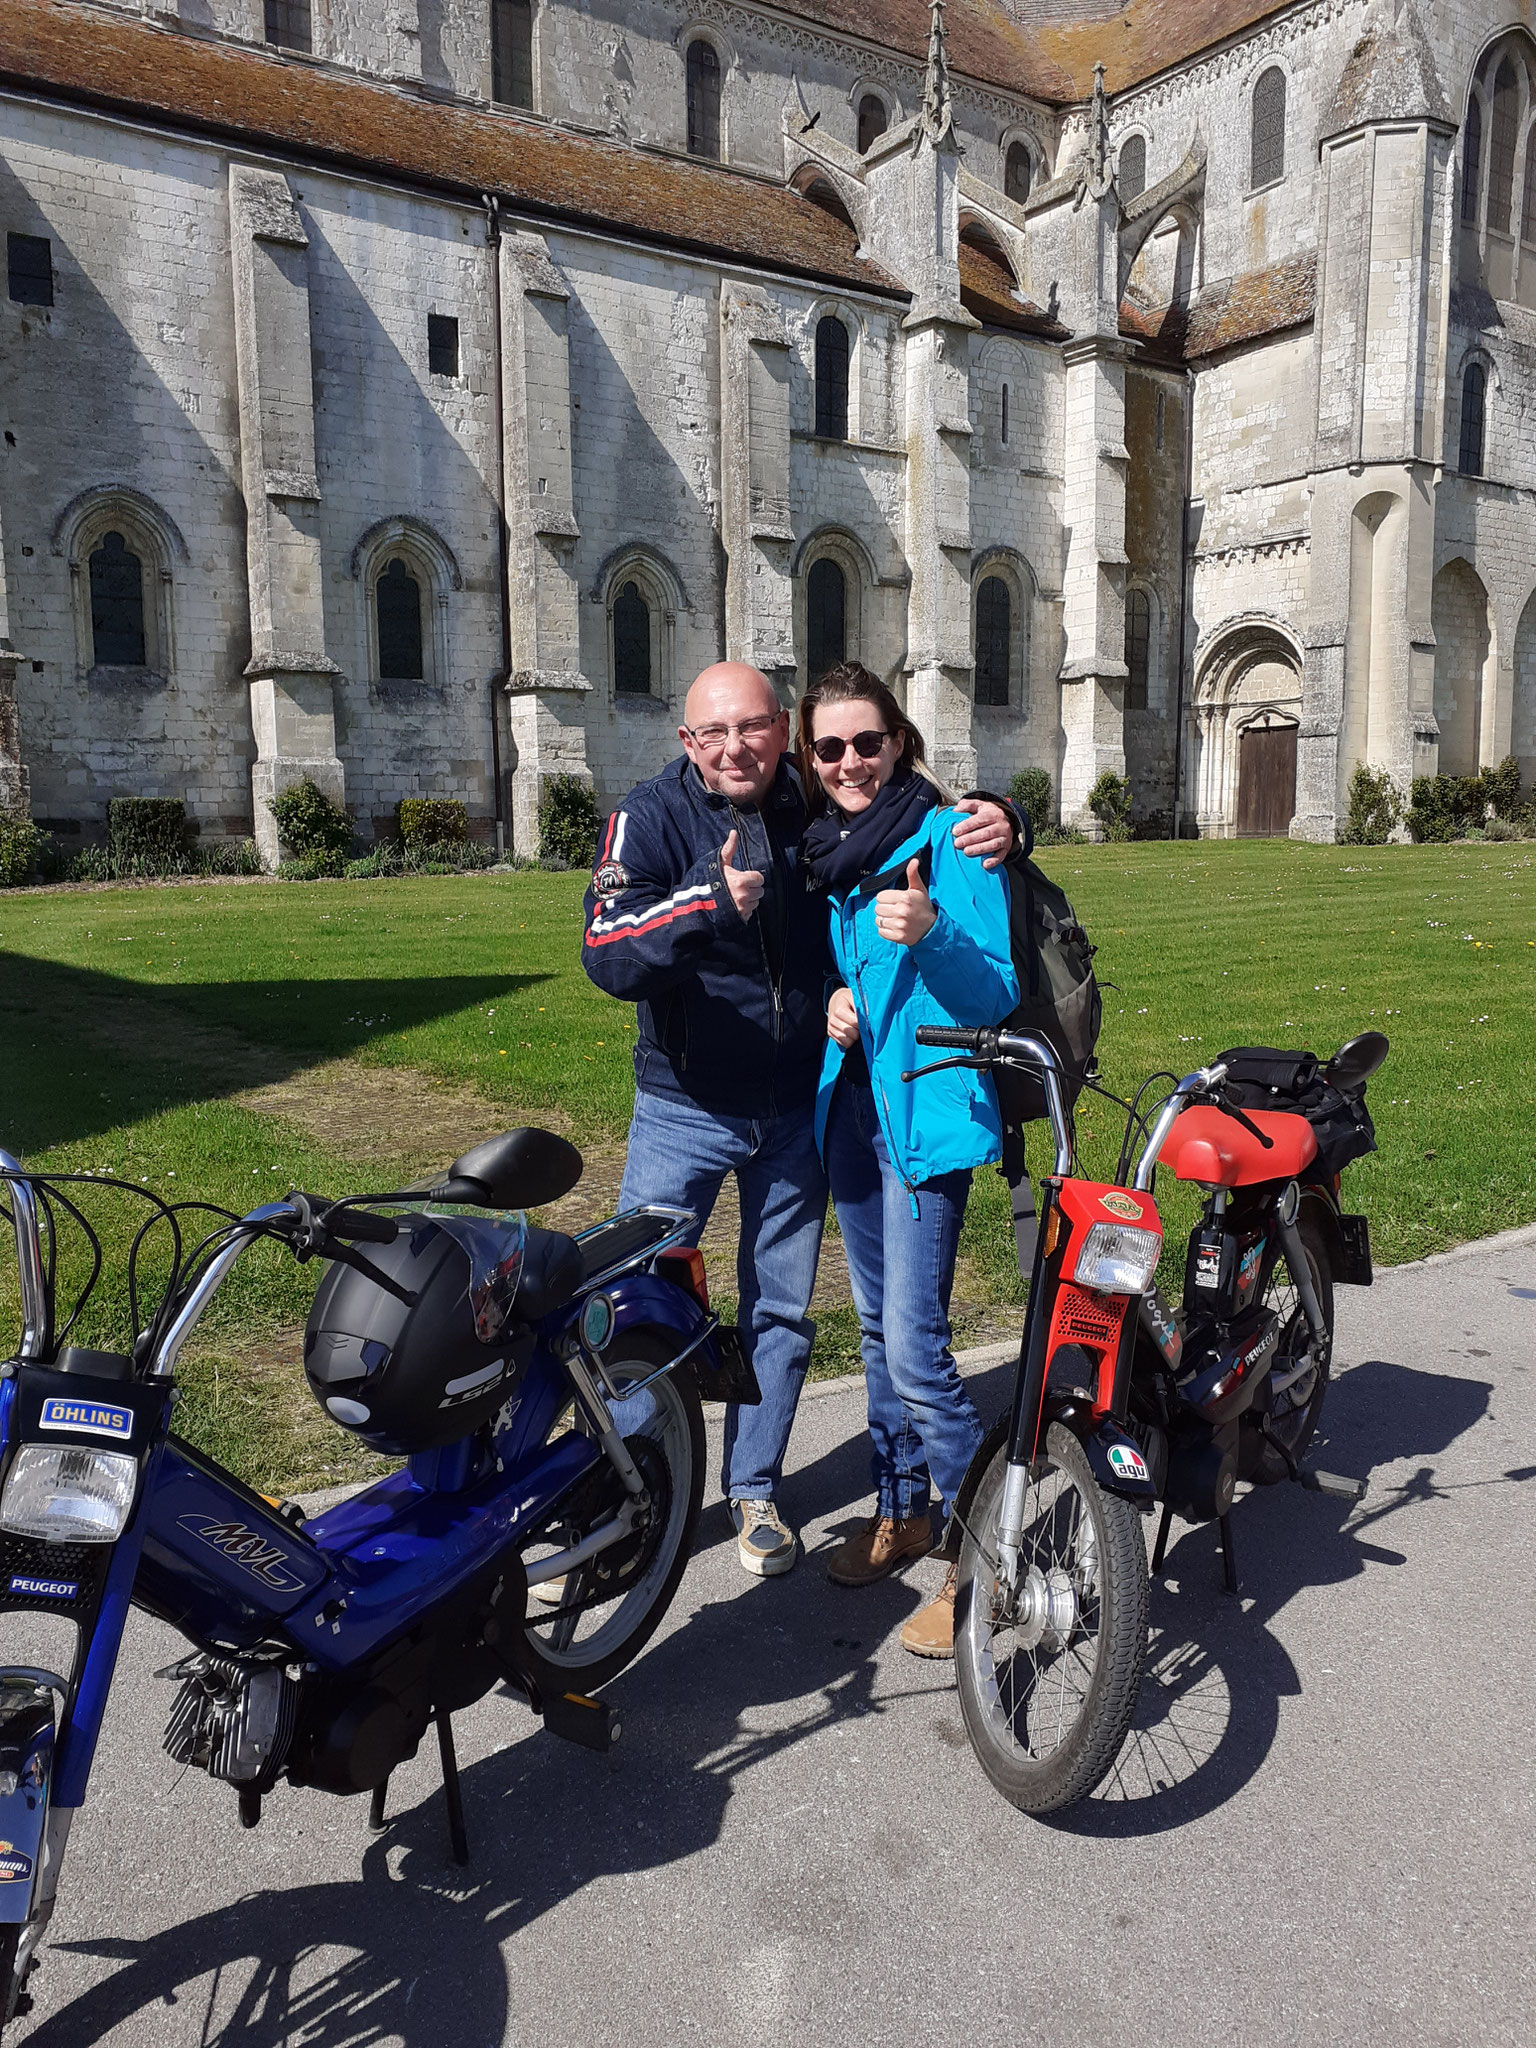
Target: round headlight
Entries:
(596, 1321)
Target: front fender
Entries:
(26, 1780)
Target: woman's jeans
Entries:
(923, 1424)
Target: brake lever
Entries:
(1247, 1122)
(938, 1067)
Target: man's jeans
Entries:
(680, 1154)
(922, 1421)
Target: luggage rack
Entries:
(632, 1238)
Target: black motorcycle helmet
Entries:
(412, 1375)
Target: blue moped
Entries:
(544, 1393)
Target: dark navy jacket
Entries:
(732, 1014)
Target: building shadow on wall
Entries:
(83, 1052)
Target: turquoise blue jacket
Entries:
(961, 973)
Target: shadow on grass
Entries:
(83, 1052)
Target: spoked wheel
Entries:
(1299, 1375)
(610, 1606)
(1048, 1681)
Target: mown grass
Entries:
(131, 1018)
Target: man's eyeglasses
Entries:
(713, 738)
(865, 744)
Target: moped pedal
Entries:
(575, 1718)
(1334, 1485)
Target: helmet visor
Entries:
(493, 1240)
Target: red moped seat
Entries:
(1207, 1146)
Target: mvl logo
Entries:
(250, 1550)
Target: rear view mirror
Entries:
(522, 1169)
(1353, 1064)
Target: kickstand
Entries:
(1228, 1555)
(1160, 1548)
(457, 1840)
(376, 1807)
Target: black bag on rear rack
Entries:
(1260, 1077)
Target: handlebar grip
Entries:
(362, 1226)
(951, 1035)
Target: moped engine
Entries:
(233, 1718)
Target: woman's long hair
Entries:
(850, 682)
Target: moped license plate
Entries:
(733, 1379)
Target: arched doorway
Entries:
(1246, 714)
(1522, 737)
(1266, 776)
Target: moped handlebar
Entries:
(35, 1316)
(988, 1046)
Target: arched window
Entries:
(512, 53)
(826, 617)
(1501, 154)
(1267, 157)
(1528, 205)
(831, 378)
(1138, 648)
(1003, 422)
(1474, 399)
(1132, 178)
(873, 121)
(994, 640)
(117, 605)
(397, 599)
(1018, 173)
(631, 642)
(1472, 162)
(703, 100)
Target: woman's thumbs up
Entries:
(904, 916)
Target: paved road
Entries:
(1320, 1831)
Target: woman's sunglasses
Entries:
(865, 744)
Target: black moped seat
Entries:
(553, 1269)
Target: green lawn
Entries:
(131, 1020)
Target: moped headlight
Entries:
(63, 1493)
(1117, 1258)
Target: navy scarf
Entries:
(838, 855)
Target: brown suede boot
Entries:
(931, 1632)
(880, 1546)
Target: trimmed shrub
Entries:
(316, 832)
(22, 848)
(147, 835)
(568, 821)
(1031, 791)
(431, 820)
(1502, 786)
(1375, 806)
(1501, 829)
(1110, 802)
(1444, 807)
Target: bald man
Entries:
(697, 914)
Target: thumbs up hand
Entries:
(745, 884)
(906, 915)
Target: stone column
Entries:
(293, 711)
(1093, 511)
(754, 467)
(15, 793)
(939, 655)
(547, 692)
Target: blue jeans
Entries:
(923, 1424)
(681, 1154)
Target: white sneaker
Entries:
(765, 1543)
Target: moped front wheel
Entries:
(1048, 1676)
(609, 1608)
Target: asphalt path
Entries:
(1319, 1831)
